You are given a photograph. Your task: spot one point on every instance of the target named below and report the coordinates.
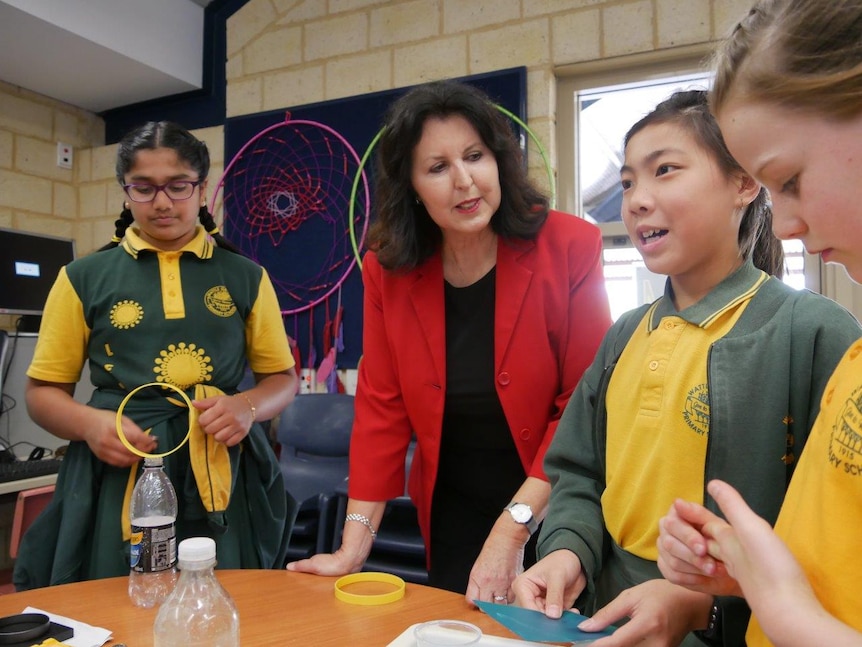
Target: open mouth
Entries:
(469, 205)
(652, 235)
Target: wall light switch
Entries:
(64, 155)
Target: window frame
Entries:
(650, 66)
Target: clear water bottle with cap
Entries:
(153, 513)
(200, 612)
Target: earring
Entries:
(126, 205)
(418, 200)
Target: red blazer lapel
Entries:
(426, 294)
(513, 279)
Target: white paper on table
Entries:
(85, 635)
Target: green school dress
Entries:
(187, 318)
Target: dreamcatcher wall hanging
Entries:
(286, 192)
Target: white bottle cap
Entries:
(197, 549)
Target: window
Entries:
(594, 112)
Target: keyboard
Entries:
(18, 470)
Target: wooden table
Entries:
(275, 608)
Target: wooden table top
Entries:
(275, 608)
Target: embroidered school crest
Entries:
(219, 301)
(696, 412)
(845, 446)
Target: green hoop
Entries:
(552, 201)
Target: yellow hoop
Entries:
(125, 401)
(371, 599)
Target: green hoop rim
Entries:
(552, 201)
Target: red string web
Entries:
(285, 202)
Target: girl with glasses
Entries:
(159, 304)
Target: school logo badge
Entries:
(845, 446)
(183, 365)
(126, 314)
(219, 301)
(696, 413)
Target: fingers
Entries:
(615, 610)
(731, 503)
(499, 562)
(105, 443)
(488, 588)
(320, 564)
(551, 585)
(743, 525)
(225, 419)
(684, 522)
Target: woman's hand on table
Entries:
(338, 563)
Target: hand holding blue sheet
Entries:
(537, 627)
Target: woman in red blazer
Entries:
(482, 308)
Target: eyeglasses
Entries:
(176, 190)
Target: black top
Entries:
(479, 468)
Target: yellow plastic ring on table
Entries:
(125, 401)
(372, 598)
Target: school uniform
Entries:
(820, 519)
(139, 315)
(728, 388)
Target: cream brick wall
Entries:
(36, 194)
(284, 53)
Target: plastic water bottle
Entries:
(199, 613)
(153, 512)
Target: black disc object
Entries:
(23, 626)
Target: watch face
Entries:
(521, 512)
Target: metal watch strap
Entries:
(530, 524)
(712, 635)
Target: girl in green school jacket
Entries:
(162, 304)
(721, 377)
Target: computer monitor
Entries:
(29, 264)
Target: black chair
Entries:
(314, 434)
(399, 548)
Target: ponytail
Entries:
(756, 240)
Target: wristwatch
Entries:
(713, 634)
(523, 514)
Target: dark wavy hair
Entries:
(402, 233)
(690, 110)
(189, 149)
